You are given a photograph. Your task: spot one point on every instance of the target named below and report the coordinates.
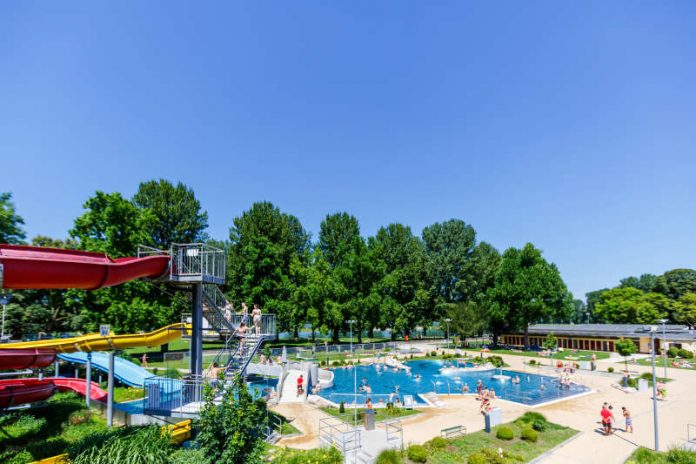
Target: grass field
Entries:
(566, 355)
(381, 414)
(458, 449)
(659, 362)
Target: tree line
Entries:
(647, 299)
(393, 280)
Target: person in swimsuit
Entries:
(245, 314)
(256, 316)
(607, 416)
(629, 420)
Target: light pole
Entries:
(355, 377)
(653, 329)
(448, 320)
(663, 345)
(4, 299)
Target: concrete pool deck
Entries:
(579, 412)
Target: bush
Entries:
(390, 456)
(672, 352)
(497, 361)
(22, 429)
(433, 353)
(417, 453)
(438, 443)
(680, 456)
(135, 444)
(342, 407)
(532, 362)
(315, 456)
(532, 416)
(491, 456)
(23, 457)
(610, 369)
(477, 458)
(632, 382)
(686, 354)
(529, 434)
(505, 433)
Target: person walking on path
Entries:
(629, 420)
(300, 385)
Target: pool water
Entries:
(385, 383)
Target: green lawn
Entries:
(381, 414)
(659, 362)
(122, 394)
(458, 449)
(45, 431)
(565, 355)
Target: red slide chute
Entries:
(79, 386)
(26, 357)
(20, 391)
(23, 267)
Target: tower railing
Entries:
(197, 262)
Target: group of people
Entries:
(609, 421)
(255, 316)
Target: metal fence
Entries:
(334, 432)
(195, 261)
(167, 396)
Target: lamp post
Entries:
(653, 329)
(355, 377)
(664, 344)
(4, 299)
(448, 320)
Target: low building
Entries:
(602, 337)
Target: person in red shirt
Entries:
(300, 382)
(607, 417)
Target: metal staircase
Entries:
(214, 303)
(239, 351)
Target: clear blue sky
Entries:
(568, 124)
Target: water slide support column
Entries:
(110, 392)
(55, 368)
(88, 378)
(196, 362)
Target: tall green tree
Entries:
(527, 290)
(175, 215)
(685, 310)
(676, 283)
(263, 244)
(11, 230)
(629, 305)
(592, 298)
(449, 247)
(646, 282)
(468, 318)
(404, 299)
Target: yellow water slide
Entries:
(97, 342)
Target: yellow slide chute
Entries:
(96, 342)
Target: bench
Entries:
(453, 431)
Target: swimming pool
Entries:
(385, 382)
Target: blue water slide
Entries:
(125, 371)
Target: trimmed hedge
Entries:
(529, 434)
(389, 457)
(505, 433)
(417, 453)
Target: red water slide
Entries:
(44, 268)
(26, 357)
(79, 386)
(20, 391)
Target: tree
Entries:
(11, 223)
(449, 248)
(111, 225)
(629, 305)
(232, 432)
(592, 298)
(551, 342)
(580, 315)
(527, 290)
(685, 310)
(468, 319)
(175, 213)
(263, 243)
(404, 301)
(676, 283)
(625, 347)
(646, 282)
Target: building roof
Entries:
(672, 331)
